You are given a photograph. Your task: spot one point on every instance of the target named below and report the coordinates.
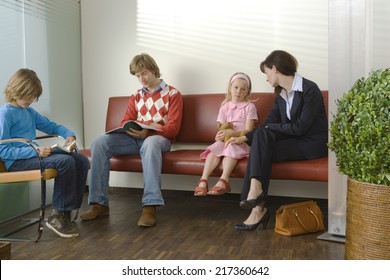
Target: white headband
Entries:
(240, 76)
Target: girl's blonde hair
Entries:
(242, 76)
(24, 84)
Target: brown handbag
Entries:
(299, 218)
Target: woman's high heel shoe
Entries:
(252, 203)
(264, 220)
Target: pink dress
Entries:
(237, 114)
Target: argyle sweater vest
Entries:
(153, 107)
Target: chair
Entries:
(24, 176)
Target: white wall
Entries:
(240, 36)
(198, 46)
(47, 40)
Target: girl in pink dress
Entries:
(238, 113)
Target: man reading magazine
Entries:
(158, 105)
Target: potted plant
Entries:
(360, 138)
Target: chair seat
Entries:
(28, 175)
(24, 176)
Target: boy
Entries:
(19, 120)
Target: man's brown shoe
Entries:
(94, 211)
(148, 216)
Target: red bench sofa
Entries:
(199, 126)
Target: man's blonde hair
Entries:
(142, 61)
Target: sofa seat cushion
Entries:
(186, 161)
(189, 162)
(304, 170)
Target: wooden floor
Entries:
(188, 228)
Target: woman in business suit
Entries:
(295, 129)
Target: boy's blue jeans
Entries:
(69, 184)
(150, 149)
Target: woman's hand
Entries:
(236, 140)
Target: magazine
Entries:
(68, 148)
(132, 124)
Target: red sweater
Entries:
(165, 107)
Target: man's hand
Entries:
(155, 125)
(140, 134)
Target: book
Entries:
(131, 124)
(68, 148)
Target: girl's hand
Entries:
(220, 136)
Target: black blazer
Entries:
(308, 122)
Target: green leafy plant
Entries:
(360, 130)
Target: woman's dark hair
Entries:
(284, 62)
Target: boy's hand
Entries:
(44, 151)
(69, 139)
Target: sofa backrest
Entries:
(199, 122)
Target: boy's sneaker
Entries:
(60, 223)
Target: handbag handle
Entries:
(301, 223)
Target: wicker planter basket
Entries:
(368, 221)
